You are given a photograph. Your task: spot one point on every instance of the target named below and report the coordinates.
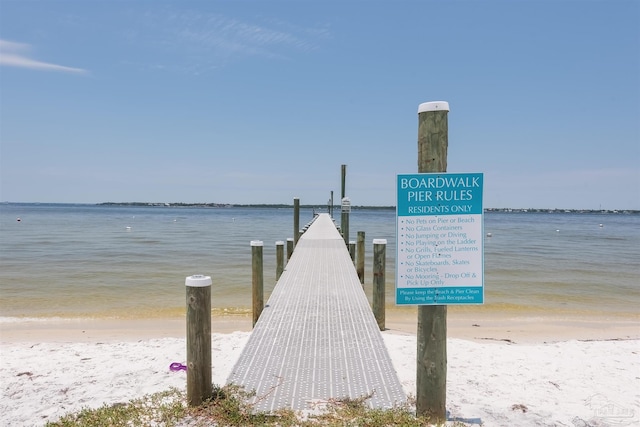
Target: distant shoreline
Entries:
(235, 205)
(319, 207)
(280, 206)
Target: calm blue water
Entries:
(110, 261)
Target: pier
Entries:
(317, 339)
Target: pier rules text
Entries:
(439, 230)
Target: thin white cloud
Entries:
(219, 31)
(196, 42)
(14, 54)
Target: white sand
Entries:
(571, 383)
(490, 383)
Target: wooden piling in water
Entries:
(296, 221)
(289, 248)
(199, 386)
(431, 369)
(352, 251)
(344, 214)
(279, 259)
(257, 279)
(331, 205)
(345, 210)
(379, 279)
(360, 256)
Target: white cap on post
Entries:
(433, 106)
(379, 241)
(257, 243)
(198, 281)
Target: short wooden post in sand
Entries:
(360, 256)
(431, 366)
(257, 279)
(199, 387)
(379, 279)
(279, 259)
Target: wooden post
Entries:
(379, 279)
(352, 250)
(345, 210)
(279, 259)
(257, 279)
(289, 248)
(343, 181)
(360, 257)
(431, 369)
(296, 221)
(199, 387)
(344, 218)
(331, 205)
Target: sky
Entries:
(262, 101)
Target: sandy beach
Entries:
(471, 325)
(502, 371)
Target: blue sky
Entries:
(262, 101)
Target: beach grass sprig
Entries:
(165, 408)
(231, 406)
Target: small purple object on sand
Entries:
(176, 366)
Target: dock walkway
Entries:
(317, 338)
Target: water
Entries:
(74, 261)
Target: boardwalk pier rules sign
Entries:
(439, 235)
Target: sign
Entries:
(439, 235)
(346, 205)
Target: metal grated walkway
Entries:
(317, 338)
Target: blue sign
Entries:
(439, 194)
(440, 238)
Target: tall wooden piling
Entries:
(296, 221)
(379, 279)
(344, 214)
(331, 205)
(199, 386)
(360, 257)
(279, 259)
(431, 369)
(257, 279)
(343, 181)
